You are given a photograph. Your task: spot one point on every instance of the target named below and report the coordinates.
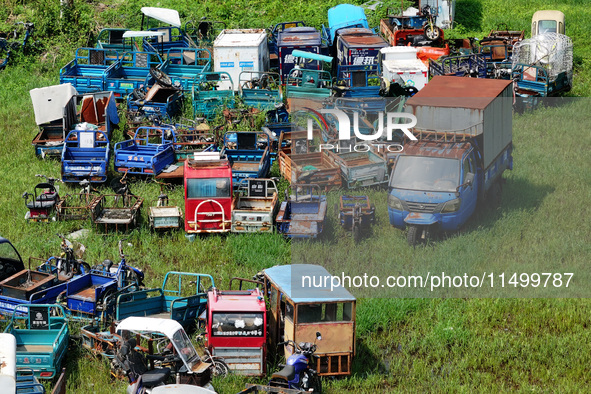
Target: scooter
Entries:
(297, 372)
(44, 199)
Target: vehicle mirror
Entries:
(469, 178)
(318, 336)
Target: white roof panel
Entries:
(142, 33)
(165, 15)
(165, 326)
(240, 38)
(49, 102)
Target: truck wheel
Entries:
(414, 235)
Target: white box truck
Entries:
(237, 50)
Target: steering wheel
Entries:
(161, 77)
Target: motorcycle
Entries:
(43, 200)
(297, 373)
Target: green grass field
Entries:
(404, 344)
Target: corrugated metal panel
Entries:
(300, 36)
(444, 91)
(362, 37)
(436, 149)
(473, 108)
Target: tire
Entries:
(432, 32)
(219, 368)
(316, 384)
(414, 235)
(161, 77)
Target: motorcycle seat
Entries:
(45, 204)
(155, 377)
(287, 373)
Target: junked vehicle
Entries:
(168, 347)
(44, 198)
(41, 338)
(208, 194)
(182, 298)
(236, 329)
(297, 312)
(255, 208)
(302, 215)
(438, 180)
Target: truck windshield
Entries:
(237, 324)
(208, 187)
(431, 174)
(7, 252)
(184, 347)
(547, 27)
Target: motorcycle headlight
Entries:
(451, 206)
(394, 203)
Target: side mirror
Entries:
(469, 179)
(318, 336)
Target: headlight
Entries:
(394, 202)
(451, 206)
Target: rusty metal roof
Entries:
(299, 36)
(362, 37)
(459, 92)
(449, 150)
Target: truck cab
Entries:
(208, 194)
(236, 329)
(547, 21)
(433, 183)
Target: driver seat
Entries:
(136, 364)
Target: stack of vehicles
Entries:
(464, 145)
(162, 101)
(56, 114)
(182, 66)
(260, 90)
(212, 91)
(86, 72)
(130, 72)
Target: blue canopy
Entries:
(345, 16)
(305, 283)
